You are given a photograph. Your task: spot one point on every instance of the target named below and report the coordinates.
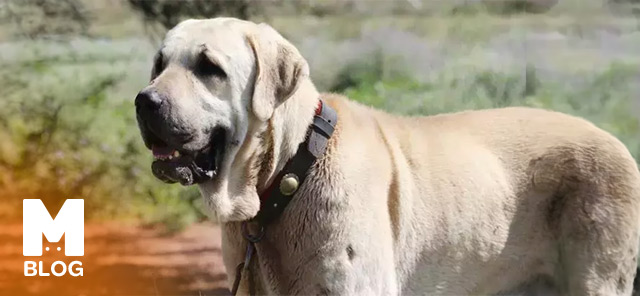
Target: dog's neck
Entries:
(287, 129)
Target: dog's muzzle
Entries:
(172, 163)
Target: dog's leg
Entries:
(598, 232)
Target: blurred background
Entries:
(69, 70)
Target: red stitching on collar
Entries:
(267, 192)
(319, 108)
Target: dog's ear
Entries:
(280, 69)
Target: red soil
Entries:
(121, 260)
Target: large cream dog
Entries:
(508, 201)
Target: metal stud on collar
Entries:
(289, 184)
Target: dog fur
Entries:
(513, 201)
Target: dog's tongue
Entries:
(161, 151)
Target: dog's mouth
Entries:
(173, 165)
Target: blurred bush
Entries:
(519, 6)
(162, 15)
(46, 17)
(608, 98)
(67, 132)
(67, 122)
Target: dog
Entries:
(512, 201)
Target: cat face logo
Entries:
(37, 221)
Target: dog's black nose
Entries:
(148, 100)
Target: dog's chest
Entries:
(306, 242)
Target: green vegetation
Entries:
(68, 130)
(67, 122)
(608, 98)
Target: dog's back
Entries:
(496, 200)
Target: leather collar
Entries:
(283, 188)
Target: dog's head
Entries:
(214, 84)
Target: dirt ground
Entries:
(121, 260)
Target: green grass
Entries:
(608, 98)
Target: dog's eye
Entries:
(158, 65)
(206, 67)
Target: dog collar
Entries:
(284, 187)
